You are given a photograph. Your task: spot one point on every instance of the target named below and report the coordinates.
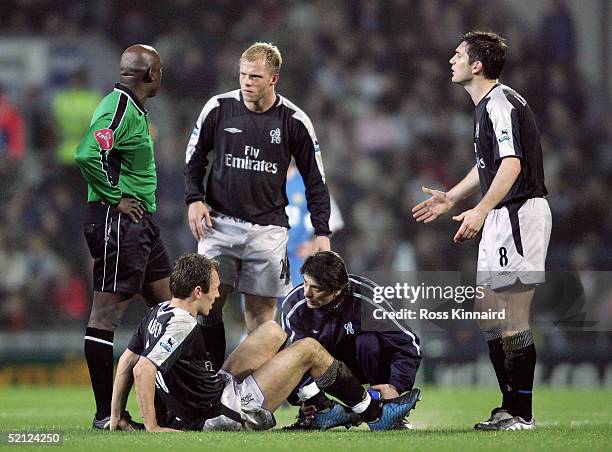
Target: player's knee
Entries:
(273, 331)
(103, 324)
(309, 348)
(106, 318)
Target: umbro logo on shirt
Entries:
(233, 130)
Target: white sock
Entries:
(308, 391)
(363, 405)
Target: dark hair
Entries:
(328, 269)
(191, 270)
(487, 47)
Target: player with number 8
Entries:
(514, 217)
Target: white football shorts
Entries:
(252, 258)
(245, 399)
(514, 244)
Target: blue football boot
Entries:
(336, 416)
(394, 410)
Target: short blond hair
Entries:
(267, 52)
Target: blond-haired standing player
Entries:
(250, 136)
(516, 217)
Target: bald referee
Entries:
(516, 217)
(117, 162)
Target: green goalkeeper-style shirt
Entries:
(116, 155)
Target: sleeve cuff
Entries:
(193, 198)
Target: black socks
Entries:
(99, 356)
(338, 381)
(493, 337)
(520, 367)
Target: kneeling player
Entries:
(168, 358)
(328, 307)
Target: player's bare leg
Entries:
(107, 310)
(156, 292)
(489, 301)
(517, 303)
(258, 310)
(106, 313)
(280, 375)
(257, 349)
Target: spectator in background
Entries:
(558, 35)
(72, 108)
(12, 142)
(69, 293)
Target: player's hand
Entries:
(198, 214)
(120, 424)
(471, 223)
(430, 209)
(158, 429)
(309, 411)
(131, 208)
(387, 391)
(321, 243)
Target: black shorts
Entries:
(126, 255)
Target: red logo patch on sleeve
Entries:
(105, 138)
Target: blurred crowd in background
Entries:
(372, 75)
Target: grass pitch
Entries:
(567, 419)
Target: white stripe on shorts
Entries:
(105, 245)
(117, 262)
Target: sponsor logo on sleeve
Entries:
(105, 139)
(167, 344)
(504, 136)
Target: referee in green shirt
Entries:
(117, 162)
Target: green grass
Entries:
(567, 419)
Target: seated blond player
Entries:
(167, 357)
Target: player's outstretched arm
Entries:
(144, 378)
(438, 204)
(197, 212)
(441, 202)
(121, 389)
